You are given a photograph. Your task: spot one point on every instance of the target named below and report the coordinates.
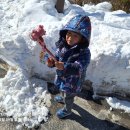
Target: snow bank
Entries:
(21, 93)
(110, 46)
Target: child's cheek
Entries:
(76, 40)
(67, 38)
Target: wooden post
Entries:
(60, 6)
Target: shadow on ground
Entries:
(81, 119)
(91, 122)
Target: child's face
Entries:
(73, 38)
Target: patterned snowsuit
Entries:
(76, 59)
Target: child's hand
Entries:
(50, 62)
(59, 65)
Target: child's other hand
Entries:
(50, 62)
(59, 65)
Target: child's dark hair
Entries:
(84, 43)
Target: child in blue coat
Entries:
(73, 58)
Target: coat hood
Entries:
(80, 24)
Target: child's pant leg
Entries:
(69, 100)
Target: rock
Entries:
(87, 85)
(118, 95)
(3, 68)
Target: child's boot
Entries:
(62, 113)
(59, 99)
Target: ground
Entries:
(87, 115)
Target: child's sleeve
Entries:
(57, 54)
(59, 45)
(78, 66)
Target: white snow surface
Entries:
(22, 95)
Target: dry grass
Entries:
(117, 4)
(121, 4)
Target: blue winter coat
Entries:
(76, 59)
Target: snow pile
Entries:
(117, 104)
(24, 99)
(110, 52)
(23, 95)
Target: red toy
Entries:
(36, 35)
